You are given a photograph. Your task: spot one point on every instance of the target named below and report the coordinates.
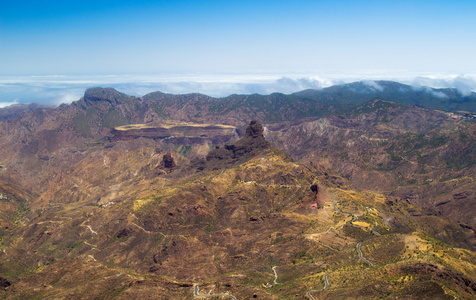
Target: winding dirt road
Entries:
(326, 285)
(195, 293)
(360, 255)
(275, 275)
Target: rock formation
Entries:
(168, 161)
(242, 150)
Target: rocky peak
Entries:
(168, 161)
(105, 94)
(252, 144)
(254, 130)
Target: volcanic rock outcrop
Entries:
(242, 150)
(168, 161)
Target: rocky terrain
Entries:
(405, 152)
(170, 197)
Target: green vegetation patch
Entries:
(114, 118)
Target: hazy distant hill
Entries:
(349, 96)
(14, 111)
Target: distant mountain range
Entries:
(355, 94)
(307, 103)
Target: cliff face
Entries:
(242, 150)
(194, 133)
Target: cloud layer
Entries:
(54, 90)
(5, 104)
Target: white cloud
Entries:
(54, 90)
(438, 94)
(465, 84)
(5, 104)
(373, 84)
(66, 98)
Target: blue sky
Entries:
(296, 39)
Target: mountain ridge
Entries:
(378, 197)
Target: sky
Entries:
(52, 50)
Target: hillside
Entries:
(349, 96)
(229, 230)
(170, 196)
(406, 152)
